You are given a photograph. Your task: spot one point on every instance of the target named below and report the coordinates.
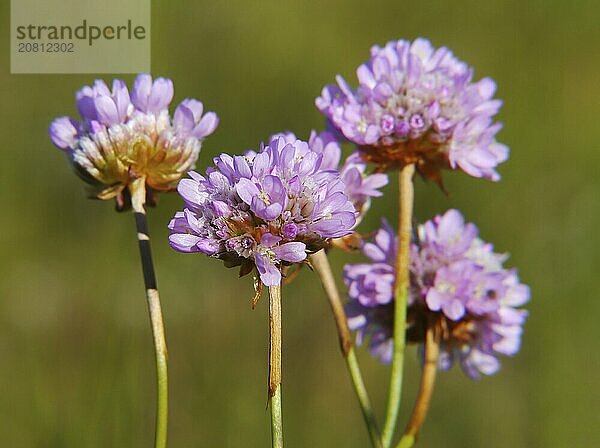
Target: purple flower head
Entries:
(265, 209)
(418, 104)
(360, 187)
(457, 282)
(120, 139)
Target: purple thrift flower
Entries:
(188, 119)
(267, 198)
(63, 132)
(266, 209)
(120, 139)
(418, 104)
(99, 104)
(360, 187)
(151, 96)
(457, 281)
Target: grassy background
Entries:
(76, 365)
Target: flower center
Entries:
(361, 126)
(446, 288)
(264, 196)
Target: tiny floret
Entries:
(360, 186)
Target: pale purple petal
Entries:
(247, 190)
(292, 252)
(63, 132)
(184, 242)
(269, 273)
(206, 126)
(269, 240)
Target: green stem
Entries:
(432, 352)
(275, 366)
(322, 267)
(406, 192)
(363, 398)
(407, 441)
(276, 420)
(138, 199)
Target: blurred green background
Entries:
(77, 365)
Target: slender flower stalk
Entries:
(406, 191)
(430, 366)
(138, 199)
(322, 267)
(275, 366)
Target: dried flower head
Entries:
(123, 137)
(417, 104)
(265, 209)
(457, 283)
